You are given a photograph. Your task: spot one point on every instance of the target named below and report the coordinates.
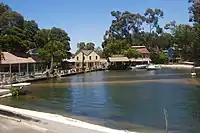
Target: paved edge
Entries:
(35, 116)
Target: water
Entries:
(130, 100)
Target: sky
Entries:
(87, 20)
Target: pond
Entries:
(132, 100)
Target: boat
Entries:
(141, 66)
(132, 67)
(193, 74)
(153, 67)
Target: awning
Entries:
(12, 59)
(140, 59)
(118, 59)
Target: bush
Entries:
(163, 59)
(14, 91)
(159, 58)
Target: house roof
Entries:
(85, 52)
(118, 58)
(12, 59)
(141, 49)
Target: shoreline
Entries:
(58, 119)
(176, 66)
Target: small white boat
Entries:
(141, 66)
(153, 67)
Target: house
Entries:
(118, 62)
(19, 65)
(143, 50)
(87, 59)
(68, 64)
(145, 59)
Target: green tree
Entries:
(194, 11)
(115, 47)
(131, 53)
(90, 46)
(85, 46)
(30, 30)
(99, 51)
(42, 37)
(53, 44)
(11, 30)
(53, 50)
(152, 18)
(81, 45)
(125, 25)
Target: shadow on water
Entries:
(120, 99)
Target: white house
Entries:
(87, 58)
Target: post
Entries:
(34, 68)
(10, 67)
(19, 68)
(27, 68)
(37, 68)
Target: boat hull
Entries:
(153, 67)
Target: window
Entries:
(90, 57)
(76, 58)
(96, 57)
(77, 64)
(83, 57)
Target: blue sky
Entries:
(87, 20)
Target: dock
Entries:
(39, 77)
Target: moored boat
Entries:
(153, 67)
(141, 66)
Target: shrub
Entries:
(14, 91)
(159, 58)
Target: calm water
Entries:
(130, 100)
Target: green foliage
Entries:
(19, 35)
(152, 18)
(115, 47)
(85, 46)
(14, 91)
(194, 11)
(55, 49)
(159, 58)
(131, 53)
(99, 51)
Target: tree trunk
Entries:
(51, 66)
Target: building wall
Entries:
(92, 60)
(92, 57)
(146, 55)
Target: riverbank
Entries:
(177, 66)
(56, 122)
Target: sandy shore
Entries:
(61, 124)
(177, 66)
